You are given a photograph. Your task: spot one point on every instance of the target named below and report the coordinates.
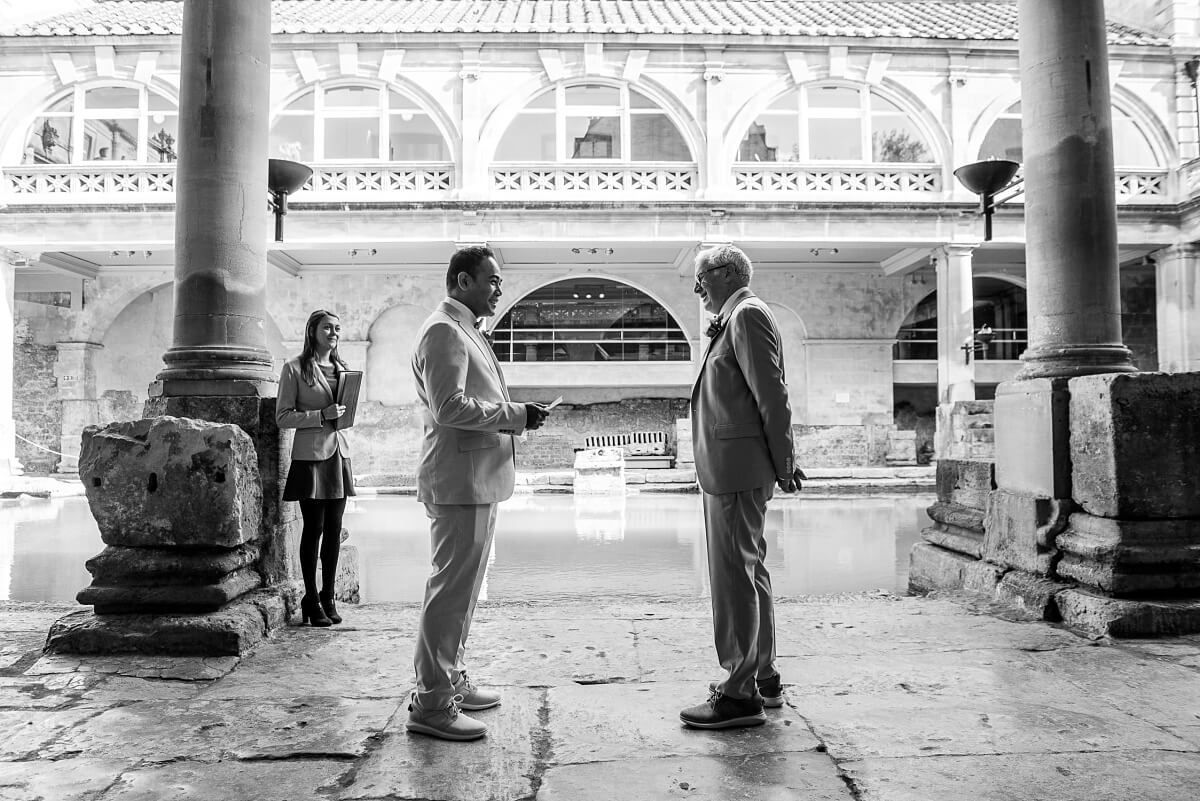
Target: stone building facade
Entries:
(596, 147)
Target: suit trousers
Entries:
(461, 539)
(743, 612)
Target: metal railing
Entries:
(914, 343)
(590, 344)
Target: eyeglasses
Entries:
(703, 273)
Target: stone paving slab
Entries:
(889, 699)
(1112, 776)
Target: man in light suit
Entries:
(467, 466)
(742, 438)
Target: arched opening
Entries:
(1131, 145)
(999, 304)
(108, 122)
(589, 319)
(356, 122)
(834, 122)
(593, 122)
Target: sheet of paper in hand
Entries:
(349, 385)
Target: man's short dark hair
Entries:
(467, 260)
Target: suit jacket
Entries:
(299, 406)
(467, 453)
(741, 420)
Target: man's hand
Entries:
(535, 415)
(333, 411)
(792, 483)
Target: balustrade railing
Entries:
(788, 177)
(914, 343)
(671, 179)
(590, 344)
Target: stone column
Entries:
(1177, 278)
(75, 370)
(219, 346)
(474, 175)
(9, 466)
(1070, 195)
(956, 323)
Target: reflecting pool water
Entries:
(547, 547)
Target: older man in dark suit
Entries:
(742, 437)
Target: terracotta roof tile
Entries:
(931, 19)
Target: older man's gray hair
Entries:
(730, 256)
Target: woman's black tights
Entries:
(322, 534)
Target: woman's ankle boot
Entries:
(330, 608)
(312, 613)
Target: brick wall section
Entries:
(37, 412)
(553, 446)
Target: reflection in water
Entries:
(547, 547)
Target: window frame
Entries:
(80, 115)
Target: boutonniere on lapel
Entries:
(715, 326)
(483, 331)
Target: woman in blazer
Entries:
(319, 477)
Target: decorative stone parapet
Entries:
(178, 503)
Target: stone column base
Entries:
(230, 631)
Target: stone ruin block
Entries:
(962, 492)
(600, 471)
(1132, 557)
(179, 503)
(1135, 444)
(1020, 531)
(172, 481)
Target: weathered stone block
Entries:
(118, 564)
(165, 598)
(1135, 444)
(1132, 557)
(1119, 617)
(1030, 592)
(933, 568)
(965, 482)
(1032, 456)
(982, 577)
(600, 471)
(1020, 530)
(957, 540)
(172, 481)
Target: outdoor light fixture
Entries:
(986, 178)
(284, 178)
(826, 251)
(593, 251)
(1191, 68)
(356, 252)
(979, 342)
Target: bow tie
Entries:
(483, 332)
(714, 326)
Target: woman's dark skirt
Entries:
(328, 479)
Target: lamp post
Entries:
(284, 178)
(986, 179)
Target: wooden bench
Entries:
(643, 449)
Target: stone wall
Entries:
(1139, 316)
(841, 446)
(37, 412)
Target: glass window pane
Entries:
(529, 138)
(1015, 108)
(397, 102)
(347, 96)
(416, 139)
(881, 104)
(160, 103)
(292, 139)
(639, 100)
(49, 141)
(594, 137)
(301, 103)
(835, 140)
(772, 137)
(895, 138)
(591, 95)
(1130, 147)
(833, 97)
(789, 102)
(110, 140)
(352, 138)
(545, 100)
(110, 97)
(162, 138)
(1003, 141)
(65, 104)
(655, 138)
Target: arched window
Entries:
(834, 123)
(589, 319)
(590, 122)
(1000, 305)
(105, 123)
(1131, 146)
(356, 123)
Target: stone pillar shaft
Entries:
(956, 324)
(221, 202)
(1177, 278)
(1070, 196)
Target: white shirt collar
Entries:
(732, 301)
